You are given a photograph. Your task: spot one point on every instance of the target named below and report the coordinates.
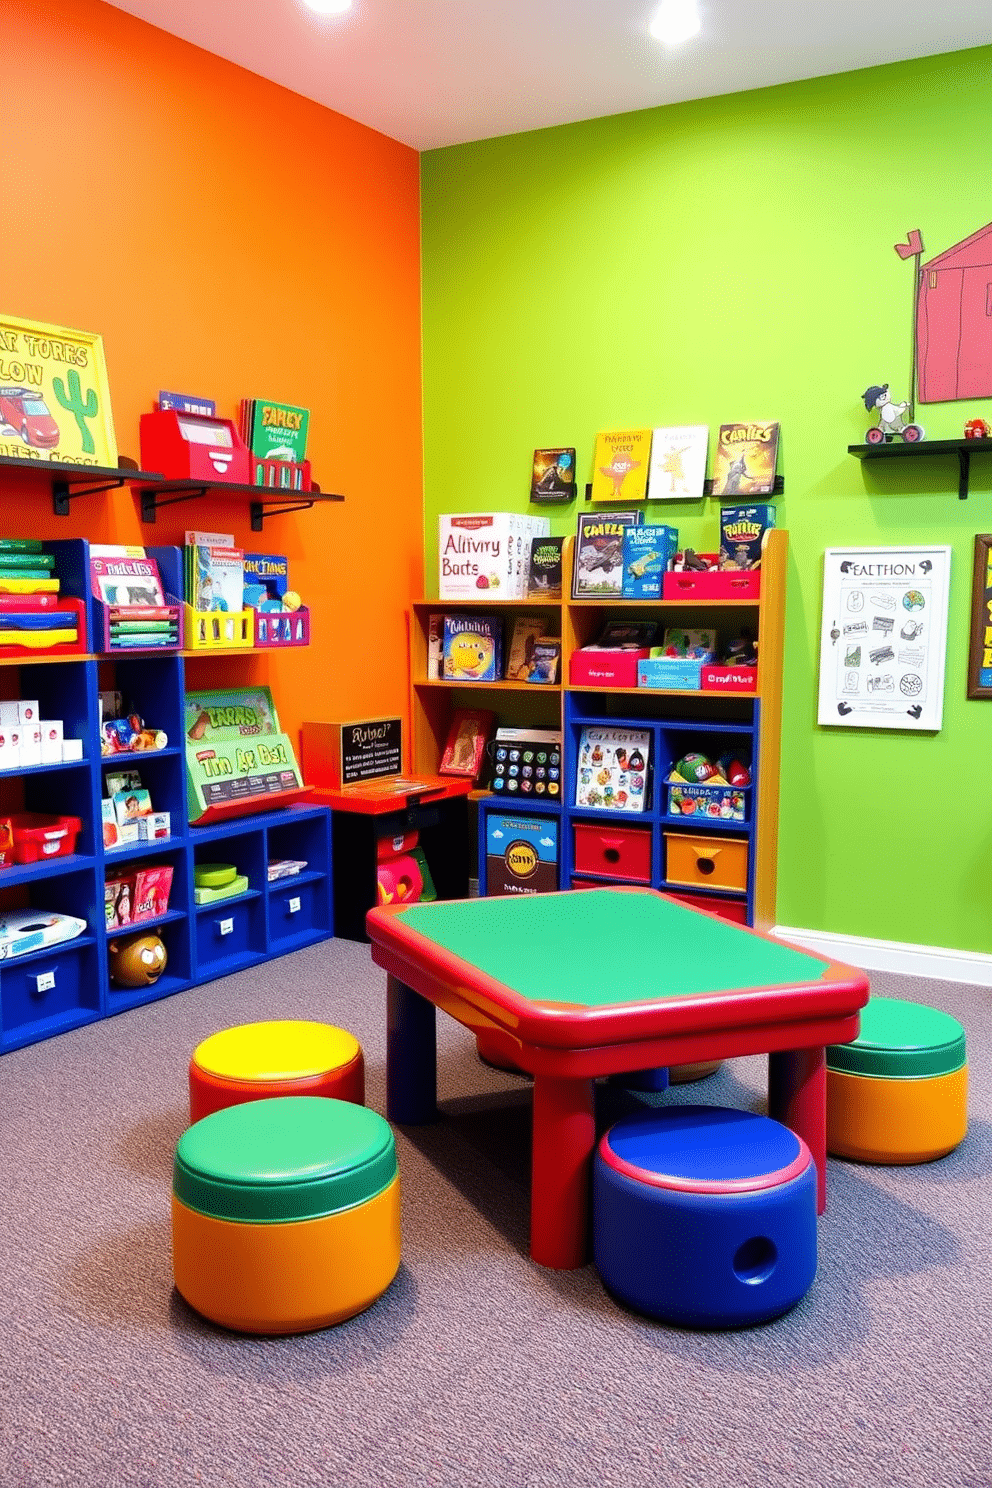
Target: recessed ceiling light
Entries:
(328, 7)
(675, 20)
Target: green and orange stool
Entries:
(898, 1093)
(285, 1213)
(259, 1061)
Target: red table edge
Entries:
(571, 1026)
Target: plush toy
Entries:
(138, 962)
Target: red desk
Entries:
(577, 985)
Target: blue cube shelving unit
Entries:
(66, 986)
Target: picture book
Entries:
(746, 457)
(131, 803)
(152, 887)
(612, 769)
(678, 462)
(620, 465)
(187, 403)
(465, 747)
(597, 571)
(275, 431)
(553, 475)
(648, 550)
(544, 576)
(124, 575)
(435, 646)
(266, 579)
(244, 713)
(742, 529)
(472, 648)
(527, 629)
(546, 661)
(215, 578)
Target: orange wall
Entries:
(228, 238)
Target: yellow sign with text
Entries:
(54, 395)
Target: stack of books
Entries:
(276, 436)
(128, 582)
(29, 597)
(214, 572)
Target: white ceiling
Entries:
(440, 72)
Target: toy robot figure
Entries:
(890, 417)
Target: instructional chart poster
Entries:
(883, 638)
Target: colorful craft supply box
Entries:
(899, 1092)
(705, 1217)
(257, 1061)
(285, 1213)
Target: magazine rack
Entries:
(101, 614)
(276, 630)
(218, 630)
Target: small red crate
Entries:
(605, 668)
(37, 836)
(728, 678)
(714, 583)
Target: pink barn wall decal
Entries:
(953, 318)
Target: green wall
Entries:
(733, 259)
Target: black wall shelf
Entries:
(264, 501)
(68, 481)
(963, 448)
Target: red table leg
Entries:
(797, 1096)
(564, 1138)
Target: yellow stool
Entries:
(285, 1213)
(257, 1061)
(899, 1092)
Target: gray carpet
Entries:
(476, 1368)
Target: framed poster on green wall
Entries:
(883, 637)
(980, 649)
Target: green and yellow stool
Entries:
(258, 1061)
(899, 1092)
(285, 1213)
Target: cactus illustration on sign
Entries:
(73, 403)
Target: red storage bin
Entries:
(37, 836)
(613, 852)
(727, 909)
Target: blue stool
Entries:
(705, 1216)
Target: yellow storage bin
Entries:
(706, 861)
(219, 630)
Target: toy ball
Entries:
(696, 769)
(291, 600)
(138, 962)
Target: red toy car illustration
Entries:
(27, 414)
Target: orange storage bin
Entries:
(38, 837)
(727, 909)
(710, 861)
(613, 852)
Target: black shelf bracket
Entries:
(62, 494)
(964, 473)
(895, 449)
(151, 498)
(262, 509)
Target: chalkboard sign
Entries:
(371, 749)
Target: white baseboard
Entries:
(944, 965)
